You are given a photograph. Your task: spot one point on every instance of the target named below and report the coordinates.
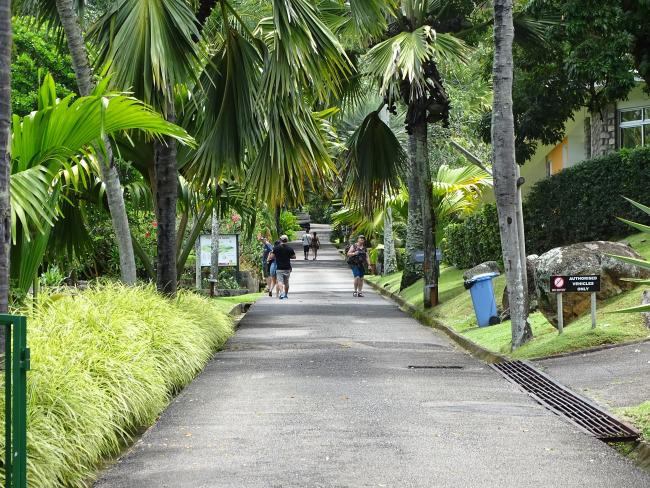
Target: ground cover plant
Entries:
(640, 416)
(105, 363)
(456, 311)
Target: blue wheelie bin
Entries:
(485, 306)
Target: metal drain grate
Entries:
(580, 411)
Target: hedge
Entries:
(582, 203)
(578, 204)
(104, 363)
(474, 240)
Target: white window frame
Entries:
(645, 120)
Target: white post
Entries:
(593, 310)
(197, 251)
(560, 314)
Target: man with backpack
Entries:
(358, 260)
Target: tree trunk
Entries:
(414, 235)
(278, 226)
(109, 174)
(428, 214)
(390, 261)
(506, 172)
(166, 175)
(214, 258)
(5, 161)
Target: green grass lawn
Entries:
(226, 304)
(639, 416)
(456, 311)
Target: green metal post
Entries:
(8, 443)
(17, 364)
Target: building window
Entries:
(634, 126)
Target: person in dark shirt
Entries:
(283, 254)
(267, 247)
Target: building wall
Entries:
(603, 132)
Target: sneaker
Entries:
(270, 293)
(354, 294)
(360, 294)
(282, 296)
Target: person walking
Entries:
(306, 244)
(266, 250)
(283, 254)
(358, 261)
(273, 272)
(315, 245)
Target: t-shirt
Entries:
(358, 259)
(306, 240)
(265, 253)
(283, 254)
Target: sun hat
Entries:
(284, 238)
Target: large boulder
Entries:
(486, 267)
(585, 258)
(531, 263)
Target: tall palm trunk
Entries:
(5, 160)
(214, 258)
(506, 172)
(390, 261)
(110, 176)
(166, 197)
(425, 191)
(414, 233)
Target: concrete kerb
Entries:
(472, 347)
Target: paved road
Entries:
(316, 391)
(616, 377)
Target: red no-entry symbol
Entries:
(558, 282)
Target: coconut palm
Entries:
(54, 151)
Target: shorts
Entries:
(273, 269)
(306, 248)
(283, 276)
(358, 271)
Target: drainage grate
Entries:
(580, 411)
(434, 367)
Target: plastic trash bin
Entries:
(485, 306)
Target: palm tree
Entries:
(46, 164)
(506, 173)
(5, 163)
(152, 48)
(64, 13)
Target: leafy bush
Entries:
(474, 240)
(289, 224)
(582, 203)
(52, 277)
(104, 363)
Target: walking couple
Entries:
(276, 262)
(310, 242)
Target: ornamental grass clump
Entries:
(105, 362)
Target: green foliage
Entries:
(582, 203)
(227, 280)
(640, 416)
(289, 224)
(53, 276)
(35, 53)
(400, 257)
(474, 240)
(105, 363)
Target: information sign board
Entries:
(575, 284)
(228, 250)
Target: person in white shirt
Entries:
(306, 244)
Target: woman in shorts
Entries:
(273, 273)
(358, 260)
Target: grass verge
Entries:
(105, 362)
(639, 416)
(456, 311)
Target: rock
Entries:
(531, 262)
(585, 258)
(486, 267)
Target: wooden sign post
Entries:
(574, 284)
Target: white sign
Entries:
(228, 252)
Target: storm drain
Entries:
(578, 410)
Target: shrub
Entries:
(474, 240)
(104, 363)
(289, 224)
(582, 203)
